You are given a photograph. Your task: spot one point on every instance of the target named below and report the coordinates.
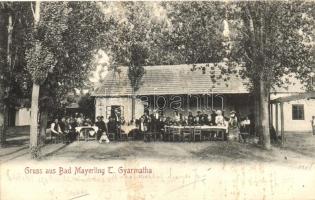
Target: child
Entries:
(104, 137)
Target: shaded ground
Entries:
(17, 145)
(202, 151)
(298, 147)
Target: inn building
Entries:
(173, 87)
(179, 87)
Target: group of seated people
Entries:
(64, 127)
(154, 122)
(215, 118)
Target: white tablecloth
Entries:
(206, 127)
(79, 128)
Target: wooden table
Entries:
(216, 129)
(85, 130)
(125, 130)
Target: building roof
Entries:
(294, 97)
(170, 79)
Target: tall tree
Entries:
(265, 42)
(274, 39)
(14, 78)
(60, 52)
(6, 69)
(38, 58)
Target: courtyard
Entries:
(298, 147)
(199, 170)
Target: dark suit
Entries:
(213, 115)
(101, 128)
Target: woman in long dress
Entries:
(234, 130)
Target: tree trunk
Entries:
(4, 111)
(133, 107)
(264, 114)
(35, 150)
(43, 126)
(2, 129)
(34, 122)
(257, 114)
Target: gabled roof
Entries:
(170, 80)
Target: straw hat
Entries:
(219, 112)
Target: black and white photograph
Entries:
(157, 100)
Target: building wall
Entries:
(291, 125)
(102, 104)
(23, 117)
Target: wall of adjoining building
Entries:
(291, 125)
(23, 117)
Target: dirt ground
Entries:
(200, 170)
(297, 148)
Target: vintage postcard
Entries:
(141, 100)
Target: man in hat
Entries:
(204, 118)
(101, 134)
(199, 118)
(213, 116)
(190, 118)
(154, 120)
(101, 126)
(112, 126)
(176, 117)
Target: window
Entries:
(313, 80)
(298, 112)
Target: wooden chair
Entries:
(147, 136)
(188, 133)
(123, 136)
(244, 133)
(111, 136)
(55, 138)
(176, 134)
(197, 133)
(167, 134)
(91, 134)
(206, 135)
(221, 134)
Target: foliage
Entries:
(195, 31)
(14, 79)
(39, 61)
(130, 38)
(265, 39)
(86, 104)
(273, 39)
(68, 38)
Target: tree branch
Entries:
(32, 10)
